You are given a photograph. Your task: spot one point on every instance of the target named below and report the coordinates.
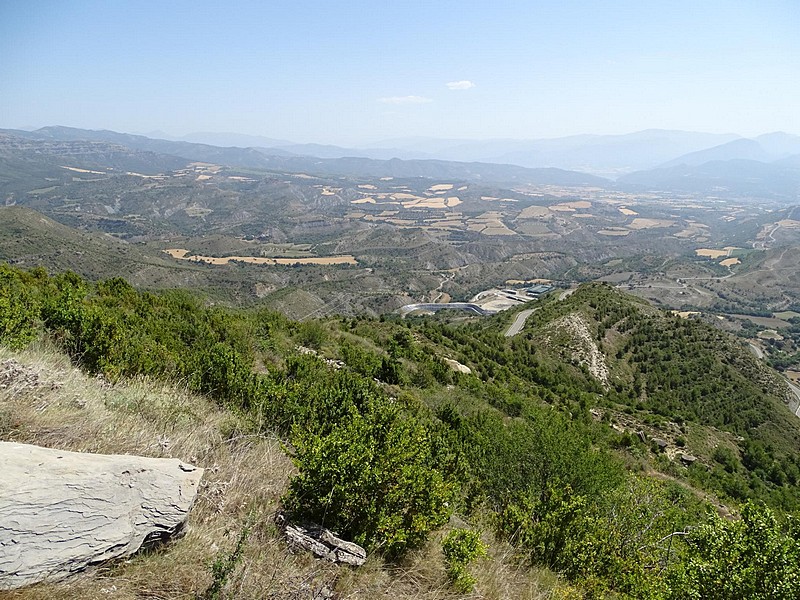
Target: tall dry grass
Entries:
(45, 401)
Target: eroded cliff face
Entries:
(575, 340)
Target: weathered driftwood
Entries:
(63, 511)
(323, 543)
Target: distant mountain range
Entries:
(722, 177)
(276, 159)
(764, 148)
(653, 159)
(766, 165)
(604, 155)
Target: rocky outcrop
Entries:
(579, 345)
(322, 542)
(457, 366)
(61, 512)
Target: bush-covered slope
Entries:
(538, 442)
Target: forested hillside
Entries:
(587, 441)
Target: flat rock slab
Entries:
(61, 512)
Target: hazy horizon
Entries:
(356, 73)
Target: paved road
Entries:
(465, 306)
(567, 293)
(519, 322)
(796, 391)
(793, 406)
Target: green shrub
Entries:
(372, 478)
(755, 558)
(19, 309)
(224, 374)
(460, 547)
(311, 334)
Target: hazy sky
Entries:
(345, 72)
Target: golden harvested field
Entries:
(534, 212)
(489, 223)
(627, 211)
(729, 262)
(712, 253)
(686, 313)
(640, 223)
(571, 206)
(693, 229)
(433, 202)
(77, 170)
(177, 252)
(440, 187)
(183, 254)
(614, 231)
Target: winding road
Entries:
(434, 307)
(796, 391)
(793, 406)
(519, 322)
(522, 317)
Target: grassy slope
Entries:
(53, 404)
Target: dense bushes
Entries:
(19, 308)
(514, 440)
(756, 558)
(366, 466)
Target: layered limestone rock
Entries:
(61, 512)
(321, 542)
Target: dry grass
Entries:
(45, 401)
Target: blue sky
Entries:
(351, 72)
